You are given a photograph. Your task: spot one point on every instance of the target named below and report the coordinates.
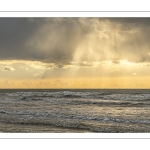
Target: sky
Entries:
(74, 52)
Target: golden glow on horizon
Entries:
(104, 74)
(133, 82)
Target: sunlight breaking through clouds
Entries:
(64, 49)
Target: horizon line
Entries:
(75, 11)
(74, 88)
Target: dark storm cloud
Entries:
(43, 39)
(55, 40)
(13, 34)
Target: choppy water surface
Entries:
(75, 111)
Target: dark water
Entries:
(108, 111)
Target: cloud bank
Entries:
(66, 41)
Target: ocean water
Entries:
(53, 111)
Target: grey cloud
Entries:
(8, 68)
(55, 40)
(43, 39)
(116, 61)
(82, 63)
(13, 34)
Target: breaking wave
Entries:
(70, 94)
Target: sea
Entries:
(75, 110)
